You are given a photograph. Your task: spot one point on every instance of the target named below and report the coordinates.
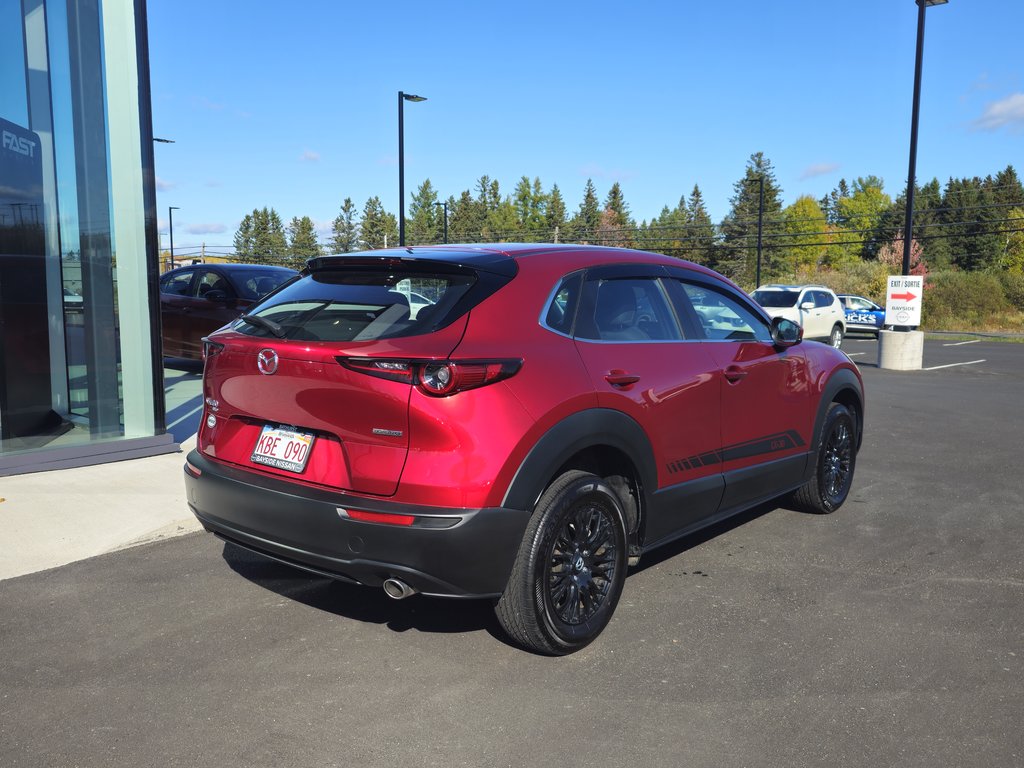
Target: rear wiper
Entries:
(263, 322)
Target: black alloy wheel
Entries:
(570, 569)
(826, 491)
(582, 564)
(837, 463)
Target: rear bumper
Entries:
(471, 556)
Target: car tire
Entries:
(835, 338)
(834, 465)
(570, 569)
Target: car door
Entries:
(810, 316)
(644, 363)
(765, 395)
(831, 310)
(213, 304)
(175, 301)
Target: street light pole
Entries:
(908, 225)
(170, 228)
(445, 206)
(402, 98)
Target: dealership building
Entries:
(81, 377)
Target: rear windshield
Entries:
(253, 283)
(358, 305)
(776, 298)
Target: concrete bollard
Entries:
(900, 350)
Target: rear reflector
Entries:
(378, 517)
(192, 469)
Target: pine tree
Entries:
(466, 218)
(502, 223)
(1007, 188)
(739, 229)
(554, 216)
(584, 224)
(701, 234)
(530, 203)
(971, 220)
(301, 238)
(260, 238)
(616, 203)
(302, 241)
(378, 228)
(423, 226)
(244, 244)
(345, 230)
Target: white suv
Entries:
(814, 307)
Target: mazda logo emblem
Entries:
(266, 361)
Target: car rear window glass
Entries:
(776, 298)
(213, 282)
(255, 283)
(358, 305)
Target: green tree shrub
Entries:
(963, 300)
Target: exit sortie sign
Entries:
(903, 300)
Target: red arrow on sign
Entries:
(908, 296)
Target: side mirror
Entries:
(807, 305)
(786, 333)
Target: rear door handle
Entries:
(734, 374)
(619, 378)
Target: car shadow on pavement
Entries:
(686, 543)
(359, 603)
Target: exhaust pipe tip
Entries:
(397, 589)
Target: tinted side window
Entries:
(561, 309)
(631, 309)
(176, 284)
(822, 299)
(722, 317)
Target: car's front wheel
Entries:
(826, 491)
(570, 569)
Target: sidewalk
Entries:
(54, 518)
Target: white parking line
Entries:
(854, 354)
(951, 365)
(961, 343)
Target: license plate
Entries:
(283, 448)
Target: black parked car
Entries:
(197, 300)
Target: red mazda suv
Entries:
(512, 422)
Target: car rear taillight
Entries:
(211, 348)
(436, 377)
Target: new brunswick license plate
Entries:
(282, 448)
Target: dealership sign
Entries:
(903, 300)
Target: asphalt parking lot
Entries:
(889, 633)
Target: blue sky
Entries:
(294, 105)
